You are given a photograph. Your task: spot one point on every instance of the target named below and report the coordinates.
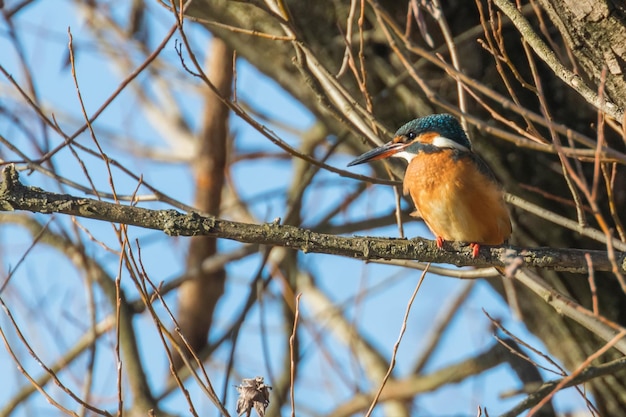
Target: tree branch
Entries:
(548, 56)
(16, 196)
(610, 368)
(407, 388)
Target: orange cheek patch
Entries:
(427, 138)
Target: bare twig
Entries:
(585, 375)
(47, 369)
(396, 345)
(440, 325)
(603, 328)
(548, 56)
(408, 387)
(576, 372)
(68, 358)
(292, 358)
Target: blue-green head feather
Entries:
(445, 125)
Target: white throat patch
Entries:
(404, 155)
(442, 142)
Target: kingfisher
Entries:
(453, 190)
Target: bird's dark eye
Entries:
(411, 135)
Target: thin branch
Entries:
(578, 370)
(396, 346)
(15, 196)
(46, 368)
(440, 325)
(610, 368)
(292, 360)
(599, 325)
(332, 321)
(548, 56)
(407, 388)
(84, 343)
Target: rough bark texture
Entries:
(595, 33)
(15, 196)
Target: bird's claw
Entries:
(475, 248)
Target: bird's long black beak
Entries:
(381, 152)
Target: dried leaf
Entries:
(253, 393)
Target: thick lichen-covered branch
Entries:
(16, 196)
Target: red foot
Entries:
(475, 248)
(439, 242)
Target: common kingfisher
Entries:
(453, 190)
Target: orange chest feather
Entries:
(458, 201)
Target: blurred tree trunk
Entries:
(595, 34)
(199, 296)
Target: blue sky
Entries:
(47, 294)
